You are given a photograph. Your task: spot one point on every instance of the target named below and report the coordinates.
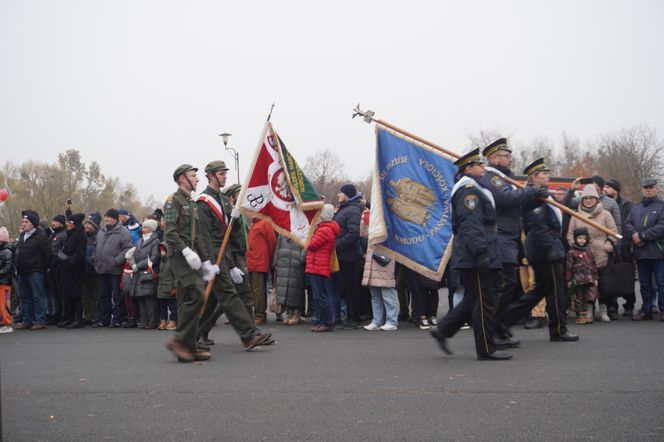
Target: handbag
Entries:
(381, 259)
(334, 262)
(617, 278)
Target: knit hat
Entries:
(113, 213)
(4, 234)
(150, 224)
(589, 191)
(124, 212)
(599, 181)
(31, 216)
(581, 231)
(158, 213)
(60, 218)
(77, 219)
(327, 213)
(614, 183)
(349, 190)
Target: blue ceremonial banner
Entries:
(411, 211)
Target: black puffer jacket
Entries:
(349, 217)
(6, 263)
(33, 255)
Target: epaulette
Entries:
(469, 185)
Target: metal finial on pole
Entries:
(367, 116)
(270, 114)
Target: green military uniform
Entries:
(181, 218)
(214, 210)
(237, 246)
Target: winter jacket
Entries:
(146, 256)
(262, 242)
(6, 263)
(166, 287)
(543, 225)
(319, 250)
(580, 266)
(376, 275)
(609, 204)
(289, 261)
(73, 267)
(33, 255)
(90, 252)
(647, 219)
(112, 245)
(348, 218)
(57, 239)
(600, 244)
(134, 228)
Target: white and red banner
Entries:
(268, 192)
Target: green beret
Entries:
(182, 169)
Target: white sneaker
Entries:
(424, 324)
(6, 329)
(388, 327)
(372, 327)
(433, 321)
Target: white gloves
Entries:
(130, 253)
(236, 275)
(235, 213)
(192, 258)
(209, 270)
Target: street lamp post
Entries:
(236, 156)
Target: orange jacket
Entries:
(261, 244)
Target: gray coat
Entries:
(143, 281)
(289, 261)
(112, 245)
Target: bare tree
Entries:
(324, 169)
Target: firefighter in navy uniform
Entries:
(545, 253)
(509, 201)
(477, 255)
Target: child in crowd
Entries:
(6, 272)
(581, 273)
(166, 292)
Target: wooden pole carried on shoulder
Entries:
(368, 117)
(217, 262)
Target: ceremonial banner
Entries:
(276, 190)
(411, 210)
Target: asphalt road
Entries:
(93, 384)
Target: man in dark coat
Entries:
(33, 257)
(72, 266)
(545, 253)
(476, 254)
(645, 228)
(348, 217)
(90, 296)
(57, 238)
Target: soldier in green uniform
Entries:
(238, 249)
(214, 214)
(185, 248)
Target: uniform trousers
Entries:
(258, 283)
(504, 286)
(550, 283)
(190, 301)
(476, 308)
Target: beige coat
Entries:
(599, 241)
(375, 275)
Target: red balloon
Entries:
(4, 195)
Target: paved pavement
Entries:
(92, 384)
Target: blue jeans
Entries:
(333, 296)
(385, 305)
(321, 300)
(648, 268)
(34, 301)
(110, 299)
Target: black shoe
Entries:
(502, 344)
(279, 318)
(206, 341)
(75, 324)
(495, 356)
(129, 324)
(99, 324)
(612, 314)
(403, 317)
(534, 323)
(52, 321)
(64, 323)
(442, 341)
(628, 313)
(114, 325)
(565, 337)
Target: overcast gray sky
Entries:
(142, 86)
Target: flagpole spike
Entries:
(367, 116)
(270, 114)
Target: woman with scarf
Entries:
(71, 259)
(600, 243)
(144, 277)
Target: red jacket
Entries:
(261, 244)
(319, 250)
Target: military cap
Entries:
(536, 166)
(230, 190)
(471, 157)
(499, 144)
(182, 169)
(647, 182)
(214, 166)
